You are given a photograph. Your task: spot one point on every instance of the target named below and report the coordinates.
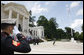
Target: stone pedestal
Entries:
(72, 40)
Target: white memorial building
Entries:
(20, 13)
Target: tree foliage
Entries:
(61, 34)
(51, 29)
(42, 21)
(49, 26)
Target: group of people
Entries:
(35, 41)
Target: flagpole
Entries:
(71, 32)
(72, 39)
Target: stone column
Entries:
(17, 20)
(33, 33)
(43, 32)
(10, 14)
(23, 24)
(28, 24)
(36, 33)
(28, 21)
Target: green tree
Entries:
(42, 21)
(49, 26)
(68, 32)
(81, 36)
(61, 34)
(54, 21)
(52, 28)
(76, 35)
(82, 27)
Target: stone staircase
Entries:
(44, 40)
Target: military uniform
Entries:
(8, 45)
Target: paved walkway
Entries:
(58, 48)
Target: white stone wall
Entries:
(3, 15)
(38, 31)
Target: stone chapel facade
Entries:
(20, 13)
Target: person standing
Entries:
(54, 41)
(8, 45)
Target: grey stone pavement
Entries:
(58, 48)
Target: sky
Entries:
(67, 13)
